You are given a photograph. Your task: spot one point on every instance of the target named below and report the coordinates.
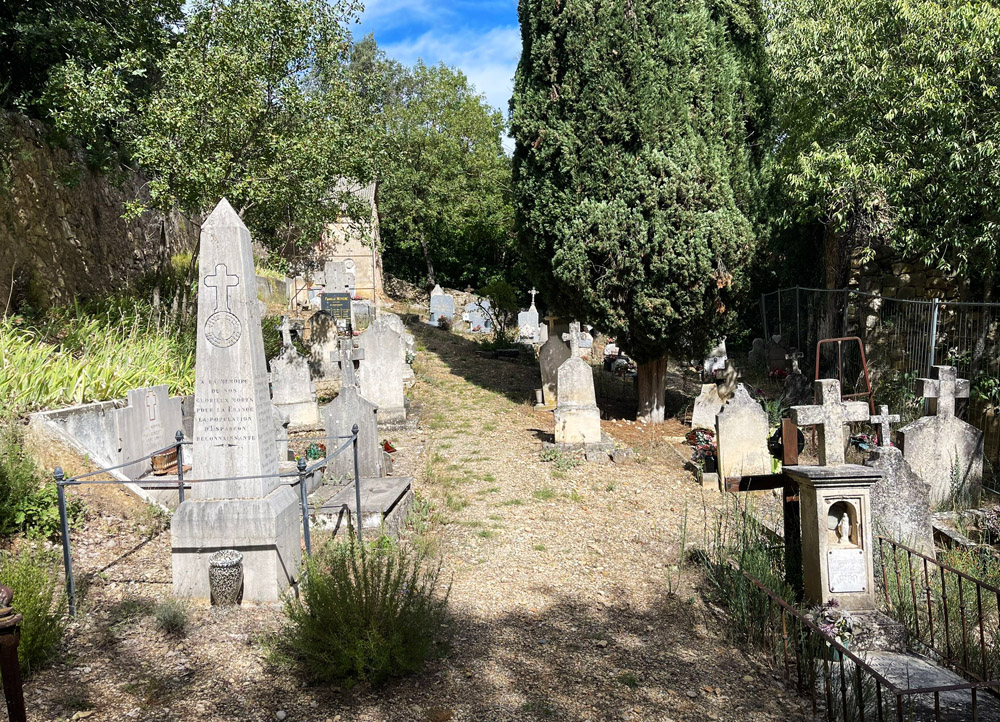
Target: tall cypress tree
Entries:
(637, 137)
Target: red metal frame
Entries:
(840, 368)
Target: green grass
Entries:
(546, 493)
(574, 496)
(539, 547)
(511, 502)
(455, 503)
(487, 533)
(628, 679)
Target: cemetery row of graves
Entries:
(844, 546)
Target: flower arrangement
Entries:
(864, 442)
(703, 446)
(315, 451)
(833, 621)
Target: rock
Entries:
(280, 714)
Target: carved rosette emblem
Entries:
(223, 328)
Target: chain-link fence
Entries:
(902, 339)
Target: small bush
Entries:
(32, 574)
(365, 613)
(171, 617)
(18, 478)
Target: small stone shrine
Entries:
(292, 389)
(578, 420)
(900, 499)
(348, 409)
(380, 375)
(835, 505)
(943, 450)
(741, 437)
(147, 424)
(442, 306)
(234, 432)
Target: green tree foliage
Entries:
(444, 190)
(636, 129)
(251, 103)
(38, 36)
(890, 125)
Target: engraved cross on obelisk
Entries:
(574, 339)
(883, 419)
(829, 418)
(222, 281)
(943, 389)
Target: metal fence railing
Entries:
(902, 340)
(299, 476)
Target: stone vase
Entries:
(225, 577)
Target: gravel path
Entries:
(565, 593)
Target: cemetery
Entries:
(334, 387)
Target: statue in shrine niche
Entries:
(844, 529)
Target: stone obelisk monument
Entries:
(233, 431)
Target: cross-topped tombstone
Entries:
(573, 337)
(942, 390)
(147, 424)
(286, 332)
(829, 418)
(884, 420)
(794, 357)
(348, 355)
(242, 503)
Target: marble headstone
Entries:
(293, 391)
(527, 324)
(900, 500)
(380, 375)
(338, 279)
(348, 409)
(478, 317)
(706, 406)
(147, 424)
(324, 346)
(741, 436)
(234, 432)
(943, 450)
(442, 306)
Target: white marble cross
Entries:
(829, 418)
(533, 292)
(883, 419)
(574, 339)
(794, 358)
(286, 332)
(944, 388)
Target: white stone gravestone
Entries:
(148, 423)
(442, 306)
(577, 418)
(234, 432)
(348, 409)
(551, 356)
(293, 391)
(380, 375)
(943, 450)
(741, 437)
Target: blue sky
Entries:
(480, 37)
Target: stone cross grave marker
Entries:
(348, 355)
(573, 337)
(830, 417)
(234, 432)
(884, 421)
(943, 450)
(148, 423)
(794, 358)
(727, 378)
(286, 332)
(577, 418)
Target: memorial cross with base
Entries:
(286, 332)
(533, 292)
(944, 389)
(348, 355)
(794, 358)
(883, 419)
(829, 418)
(574, 338)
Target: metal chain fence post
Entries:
(64, 519)
(301, 465)
(179, 436)
(357, 479)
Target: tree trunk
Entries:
(652, 385)
(427, 257)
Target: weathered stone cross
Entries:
(830, 417)
(944, 388)
(726, 379)
(794, 358)
(883, 419)
(533, 292)
(221, 281)
(286, 332)
(574, 339)
(348, 355)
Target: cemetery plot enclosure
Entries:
(902, 340)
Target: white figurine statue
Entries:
(844, 529)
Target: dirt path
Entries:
(565, 594)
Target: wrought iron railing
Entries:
(950, 614)
(299, 476)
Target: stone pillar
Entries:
(234, 432)
(836, 517)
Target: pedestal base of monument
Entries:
(385, 504)
(836, 523)
(578, 425)
(596, 452)
(266, 531)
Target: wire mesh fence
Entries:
(902, 339)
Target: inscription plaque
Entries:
(846, 570)
(337, 305)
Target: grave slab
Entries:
(551, 356)
(384, 505)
